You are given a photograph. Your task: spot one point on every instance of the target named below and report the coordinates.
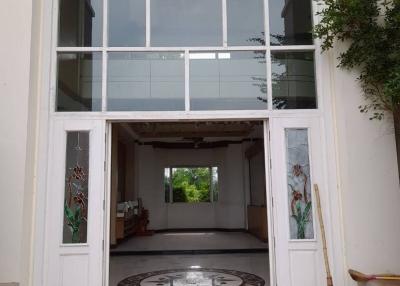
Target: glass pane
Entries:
(191, 185)
(290, 22)
(299, 184)
(146, 81)
(228, 81)
(80, 23)
(249, 32)
(127, 23)
(76, 188)
(79, 81)
(167, 181)
(214, 183)
(176, 23)
(293, 80)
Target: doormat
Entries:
(194, 277)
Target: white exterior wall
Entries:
(368, 181)
(18, 127)
(228, 212)
(366, 167)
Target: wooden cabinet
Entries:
(125, 227)
(257, 222)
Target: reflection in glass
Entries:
(176, 23)
(76, 187)
(248, 32)
(127, 23)
(146, 81)
(78, 81)
(80, 23)
(228, 81)
(299, 184)
(290, 22)
(293, 80)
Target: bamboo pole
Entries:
(329, 281)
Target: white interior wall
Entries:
(368, 181)
(228, 212)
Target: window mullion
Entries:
(171, 193)
(148, 23)
(187, 81)
(224, 24)
(104, 57)
(211, 190)
(268, 54)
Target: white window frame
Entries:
(105, 50)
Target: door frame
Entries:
(268, 190)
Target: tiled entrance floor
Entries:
(122, 267)
(191, 241)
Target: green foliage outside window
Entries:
(372, 30)
(190, 185)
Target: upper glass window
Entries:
(79, 82)
(146, 81)
(188, 23)
(80, 23)
(184, 55)
(127, 23)
(290, 22)
(228, 81)
(293, 80)
(245, 23)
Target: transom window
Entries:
(191, 184)
(184, 55)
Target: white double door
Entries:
(75, 220)
(75, 204)
(296, 152)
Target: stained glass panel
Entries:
(76, 187)
(299, 185)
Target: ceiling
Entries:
(190, 133)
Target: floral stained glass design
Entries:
(76, 187)
(299, 185)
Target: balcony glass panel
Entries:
(146, 81)
(78, 81)
(127, 23)
(290, 22)
(228, 80)
(249, 32)
(80, 23)
(293, 80)
(177, 23)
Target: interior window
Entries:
(191, 184)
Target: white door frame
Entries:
(268, 189)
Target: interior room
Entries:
(187, 196)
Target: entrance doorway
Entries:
(188, 204)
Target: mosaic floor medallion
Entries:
(194, 277)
